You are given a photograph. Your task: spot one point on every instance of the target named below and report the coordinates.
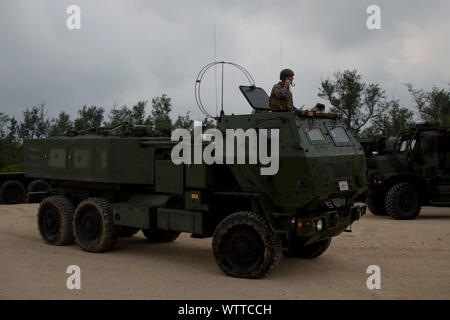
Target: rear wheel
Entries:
(402, 201)
(54, 219)
(93, 225)
(12, 192)
(245, 246)
(376, 202)
(160, 235)
(297, 249)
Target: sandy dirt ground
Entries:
(414, 258)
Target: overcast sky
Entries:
(128, 51)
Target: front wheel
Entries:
(245, 246)
(297, 249)
(402, 201)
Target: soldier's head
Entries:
(285, 73)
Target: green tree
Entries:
(89, 117)
(3, 121)
(134, 116)
(10, 156)
(138, 113)
(208, 124)
(161, 107)
(61, 125)
(13, 128)
(10, 149)
(392, 122)
(434, 105)
(184, 122)
(358, 102)
(35, 125)
(119, 116)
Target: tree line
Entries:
(367, 111)
(36, 125)
(364, 107)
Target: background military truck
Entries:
(15, 188)
(373, 145)
(123, 180)
(414, 173)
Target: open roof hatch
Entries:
(256, 97)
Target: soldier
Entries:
(281, 96)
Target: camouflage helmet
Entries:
(286, 73)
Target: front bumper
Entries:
(333, 222)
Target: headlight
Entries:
(319, 225)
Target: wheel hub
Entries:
(90, 225)
(244, 249)
(406, 202)
(51, 223)
(13, 194)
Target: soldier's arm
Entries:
(281, 91)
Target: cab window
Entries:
(315, 134)
(403, 145)
(339, 135)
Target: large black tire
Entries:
(402, 201)
(244, 246)
(12, 192)
(160, 235)
(297, 249)
(375, 200)
(54, 219)
(93, 225)
(127, 232)
(37, 185)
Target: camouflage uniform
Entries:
(281, 98)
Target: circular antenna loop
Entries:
(198, 82)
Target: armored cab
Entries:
(112, 182)
(415, 172)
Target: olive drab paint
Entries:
(413, 171)
(239, 146)
(313, 193)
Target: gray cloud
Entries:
(133, 50)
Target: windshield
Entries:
(403, 145)
(315, 134)
(339, 135)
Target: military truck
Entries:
(110, 181)
(15, 188)
(416, 172)
(373, 145)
